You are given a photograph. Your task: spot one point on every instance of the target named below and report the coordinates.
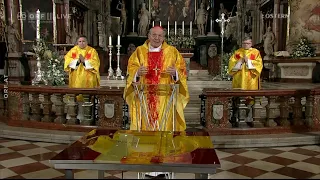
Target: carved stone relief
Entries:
(212, 50)
(296, 71)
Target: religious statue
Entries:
(201, 19)
(223, 10)
(74, 36)
(269, 40)
(155, 12)
(171, 13)
(68, 36)
(123, 18)
(144, 22)
(13, 37)
(2, 23)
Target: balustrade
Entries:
(36, 106)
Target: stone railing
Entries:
(57, 107)
(244, 112)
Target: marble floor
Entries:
(29, 160)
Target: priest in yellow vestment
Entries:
(156, 62)
(82, 63)
(245, 65)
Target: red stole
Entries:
(155, 65)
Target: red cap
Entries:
(158, 27)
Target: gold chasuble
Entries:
(246, 76)
(83, 75)
(157, 64)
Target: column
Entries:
(212, 19)
(133, 15)
(12, 9)
(275, 24)
(66, 13)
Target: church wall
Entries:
(304, 21)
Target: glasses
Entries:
(157, 36)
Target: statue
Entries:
(171, 12)
(123, 18)
(223, 10)
(269, 40)
(2, 23)
(144, 22)
(13, 37)
(74, 36)
(201, 19)
(68, 36)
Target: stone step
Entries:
(192, 109)
(199, 73)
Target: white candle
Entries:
(38, 24)
(118, 39)
(152, 23)
(182, 28)
(133, 26)
(190, 28)
(175, 28)
(160, 23)
(211, 25)
(168, 28)
(110, 41)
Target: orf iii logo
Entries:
(22, 16)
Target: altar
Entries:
(140, 151)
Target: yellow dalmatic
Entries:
(246, 78)
(157, 102)
(83, 75)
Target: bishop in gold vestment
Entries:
(156, 62)
(85, 73)
(245, 65)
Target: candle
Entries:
(182, 28)
(175, 28)
(152, 23)
(168, 28)
(211, 25)
(190, 28)
(160, 23)
(118, 39)
(38, 24)
(110, 41)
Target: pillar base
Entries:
(132, 34)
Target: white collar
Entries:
(152, 49)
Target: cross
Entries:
(156, 69)
(222, 21)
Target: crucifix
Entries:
(156, 69)
(222, 21)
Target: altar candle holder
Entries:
(110, 71)
(118, 71)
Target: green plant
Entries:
(304, 49)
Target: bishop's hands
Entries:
(171, 70)
(245, 59)
(142, 71)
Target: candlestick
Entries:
(38, 24)
(110, 41)
(110, 71)
(190, 28)
(118, 71)
(182, 28)
(175, 28)
(118, 39)
(152, 23)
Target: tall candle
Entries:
(110, 41)
(152, 23)
(160, 23)
(211, 25)
(182, 28)
(190, 28)
(175, 28)
(38, 24)
(168, 28)
(118, 39)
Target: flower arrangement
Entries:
(304, 49)
(55, 69)
(40, 48)
(225, 64)
(181, 41)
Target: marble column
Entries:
(133, 14)
(275, 24)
